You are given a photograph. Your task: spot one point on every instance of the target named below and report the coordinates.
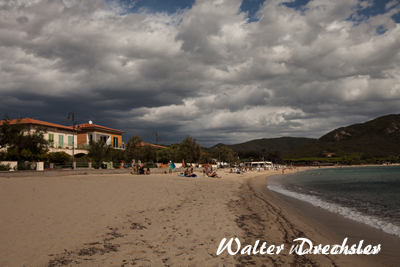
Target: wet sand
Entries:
(154, 220)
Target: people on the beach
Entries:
(190, 173)
(139, 169)
(214, 175)
(103, 165)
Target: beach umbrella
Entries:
(171, 166)
(183, 164)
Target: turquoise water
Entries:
(370, 195)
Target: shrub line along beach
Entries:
(156, 220)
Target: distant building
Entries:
(153, 145)
(92, 132)
(61, 138)
(259, 164)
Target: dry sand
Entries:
(154, 220)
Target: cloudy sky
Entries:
(218, 70)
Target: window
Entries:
(61, 141)
(70, 140)
(51, 139)
(116, 142)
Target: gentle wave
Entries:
(344, 211)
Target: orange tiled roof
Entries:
(49, 124)
(148, 144)
(38, 122)
(94, 126)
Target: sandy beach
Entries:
(154, 220)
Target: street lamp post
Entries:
(158, 139)
(219, 157)
(72, 115)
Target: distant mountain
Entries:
(376, 138)
(282, 144)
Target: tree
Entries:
(9, 133)
(134, 149)
(189, 150)
(276, 157)
(206, 158)
(169, 154)
(98, 151)
(116, 155)
(149, 153)
(224, 154)
(22, 142)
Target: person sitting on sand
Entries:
(191, 175)
(147, 171)
(138, 168)
(188, 173)
(214, 175)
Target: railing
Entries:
(83, 146)
(67, 146)
(63, 166)
(60, 145)
(56, 166)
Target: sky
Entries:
(220, 71)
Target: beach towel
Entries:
(194, 176)
(171, 166)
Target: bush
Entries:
(59, 157)
(95, 165)
(150, 165)
(5, 168)
(23, 167)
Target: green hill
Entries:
(376, 138)
(282, 144)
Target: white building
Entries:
(259, 164)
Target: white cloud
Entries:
(391, 4)
(205, 71)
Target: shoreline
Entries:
(343, 227)
(262, 207)
(153, 220)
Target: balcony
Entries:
(67, 148)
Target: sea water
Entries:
(370, 195)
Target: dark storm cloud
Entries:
(206, 70)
